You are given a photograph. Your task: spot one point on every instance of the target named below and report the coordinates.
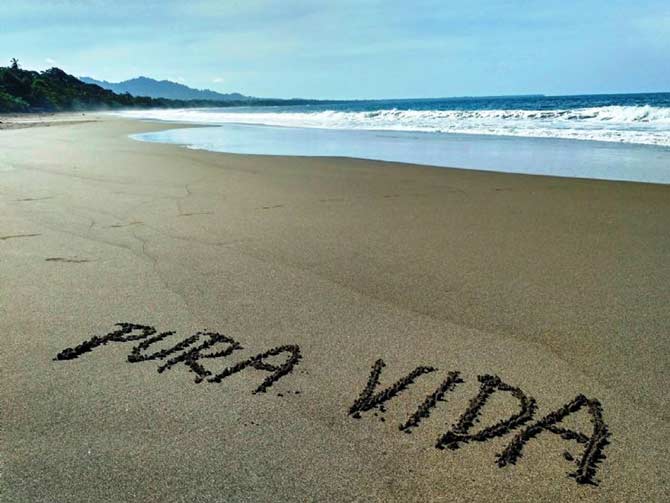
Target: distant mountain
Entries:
(144, 86)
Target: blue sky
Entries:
(351, 49)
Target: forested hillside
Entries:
(54, 90)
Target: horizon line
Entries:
(454, 97)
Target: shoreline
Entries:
(566, 158)
(556, 285)
(30, 120)
(401, 131)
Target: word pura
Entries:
(190, 354)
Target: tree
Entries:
(15, 63)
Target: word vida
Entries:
(190, 352)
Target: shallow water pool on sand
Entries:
(538, 156)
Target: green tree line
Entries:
(54, 90)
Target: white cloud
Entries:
(50, 61)
(218, 80)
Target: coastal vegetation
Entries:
(54, 90)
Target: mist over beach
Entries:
(352, 251)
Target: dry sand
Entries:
(22, 121)
(560, 287)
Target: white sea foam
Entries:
(627, 124)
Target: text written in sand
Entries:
(193, 351)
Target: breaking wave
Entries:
(645, 124)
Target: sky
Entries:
(351, 49)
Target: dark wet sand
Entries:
(558, 286)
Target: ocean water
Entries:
(621, 137)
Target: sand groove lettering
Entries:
(185, 352)
(280, 361)
(595, 444)
(366, 400)
(258, 362)
(489, 385)
(190, 358)
(459, 434)
(453, 378)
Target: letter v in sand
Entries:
(366, 400)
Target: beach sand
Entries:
(558, 286)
